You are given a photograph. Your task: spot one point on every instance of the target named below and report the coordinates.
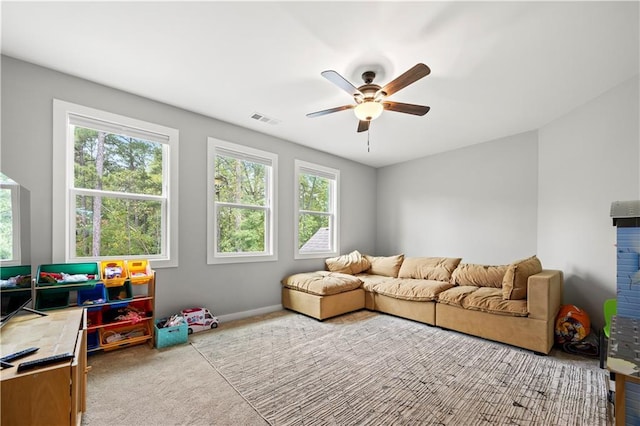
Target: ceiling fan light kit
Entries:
(368, 110)
(370, 98)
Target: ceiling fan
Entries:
(370, 98)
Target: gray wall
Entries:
(588, 159)
(478, 203)
(547, 192)
(228, 290)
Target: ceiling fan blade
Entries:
(406, 108)
(329, 111)
(411, 76)
(341, 82)
(363, 126)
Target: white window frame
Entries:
(304, 167)
(214, 147)
(16, 259)
(63, 217)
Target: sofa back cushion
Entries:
(385, 265)
(479, 275)
(428, 268)
(514, 283)
(352, 263)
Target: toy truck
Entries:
(199, 319)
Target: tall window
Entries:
(241, 193)
(316, 195)
(9, 222)
(113, 187)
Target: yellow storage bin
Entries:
(114, 272)
(139, 271)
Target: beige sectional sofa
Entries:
(515, 304)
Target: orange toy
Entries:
(572, 324)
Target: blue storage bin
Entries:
(93, 340)
(169, 336)
(97, 295)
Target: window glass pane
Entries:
(241, 230)
(125, 227)
(112, 162)
(240, 181)
(314, 234)
(314, 193)
(6, 225)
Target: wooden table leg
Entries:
(620, 414)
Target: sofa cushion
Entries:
(490, 300)
(479, 275)
(352, 263)
(385, 265)
(322, 283)
(514, 283)
(370, 282)
(428, 268)
(455, 295)
(412, 289)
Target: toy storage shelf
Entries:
(104, 301)
(102, 324)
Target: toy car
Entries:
(199, 319)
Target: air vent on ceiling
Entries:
(264, 119)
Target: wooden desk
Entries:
(623, 359)
(52, 395)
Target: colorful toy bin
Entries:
(114, 272)
(139, 271)
(79, 276)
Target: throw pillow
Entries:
(514, 284)
(479, 275)
(352, 263)
(428, 268)
(385, 265)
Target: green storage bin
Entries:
(7, 272)
(122, 294)
(13, 298)
(89, 268)
(52, 299)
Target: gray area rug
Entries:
(367, 368)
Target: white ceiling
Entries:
(497, 68)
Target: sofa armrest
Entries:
(544, 294)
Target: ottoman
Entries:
(322, 294)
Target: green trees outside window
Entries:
(118, 193)
(242, 211)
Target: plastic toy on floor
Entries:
(572, 324)
(199, 319)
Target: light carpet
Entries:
(374, 369)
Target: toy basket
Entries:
(139, 272)
(114, 272)
(170, 336)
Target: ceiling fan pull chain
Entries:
(368, 148)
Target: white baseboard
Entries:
(251, 313)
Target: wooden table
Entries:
(623, 359)
(51, 395)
